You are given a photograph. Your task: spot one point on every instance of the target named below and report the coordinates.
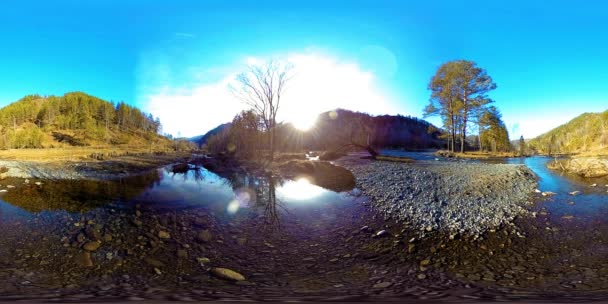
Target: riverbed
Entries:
(159, 236)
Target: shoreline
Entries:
(456, 198)
(116, 167)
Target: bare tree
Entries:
(261, 88)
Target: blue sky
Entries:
(174, 58)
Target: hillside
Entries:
(385, 131)
(341, 128)
(200, 140)
(76, 119)
(587, 133)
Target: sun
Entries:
(304, 122)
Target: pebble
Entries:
(227, 274)
(382, 233)
(204, 236)
(164, 234)
(91, 246)
(383, 285)
(84, 259)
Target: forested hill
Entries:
(585, 133)
(385, 131)
(74, 119)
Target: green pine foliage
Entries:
(80, 117)
(585, 133)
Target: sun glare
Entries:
(300, 189)
(304, 123)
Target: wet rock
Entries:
(164, 234)
(574, 193)
(227, 274)
(204, 236)
(181, 253)
(93, 233)
(382, 233)
(91, 246)
(84, 259)
(200, 222)
(383, 285)
(411, 248)
(153, 262)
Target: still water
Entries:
(229, 196)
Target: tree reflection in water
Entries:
(79, 195)
(256, 192)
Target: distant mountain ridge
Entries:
(587, 132)
(332, 129)
(200, 140)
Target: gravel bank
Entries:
(457, 198)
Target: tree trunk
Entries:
(272, 143)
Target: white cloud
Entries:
(531, 126)
(320, 82)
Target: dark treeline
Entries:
(334, 130)
(338, 128)
(25, 122)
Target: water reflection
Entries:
(230, 196)
(78, 195)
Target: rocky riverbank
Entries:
(583, 166)
(90, 169)
(457, 198)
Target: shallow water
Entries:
(590, 204)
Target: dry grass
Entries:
(69, 154)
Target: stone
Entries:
(425, 262)
(203, 260)
(382, 233)
(91, 246)
(181, 253)
(153, 262)
(84, 259)
(227, 274)
(411, 248)
(164, 234)
(383, 285)
(574, 193)
(204, 236)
